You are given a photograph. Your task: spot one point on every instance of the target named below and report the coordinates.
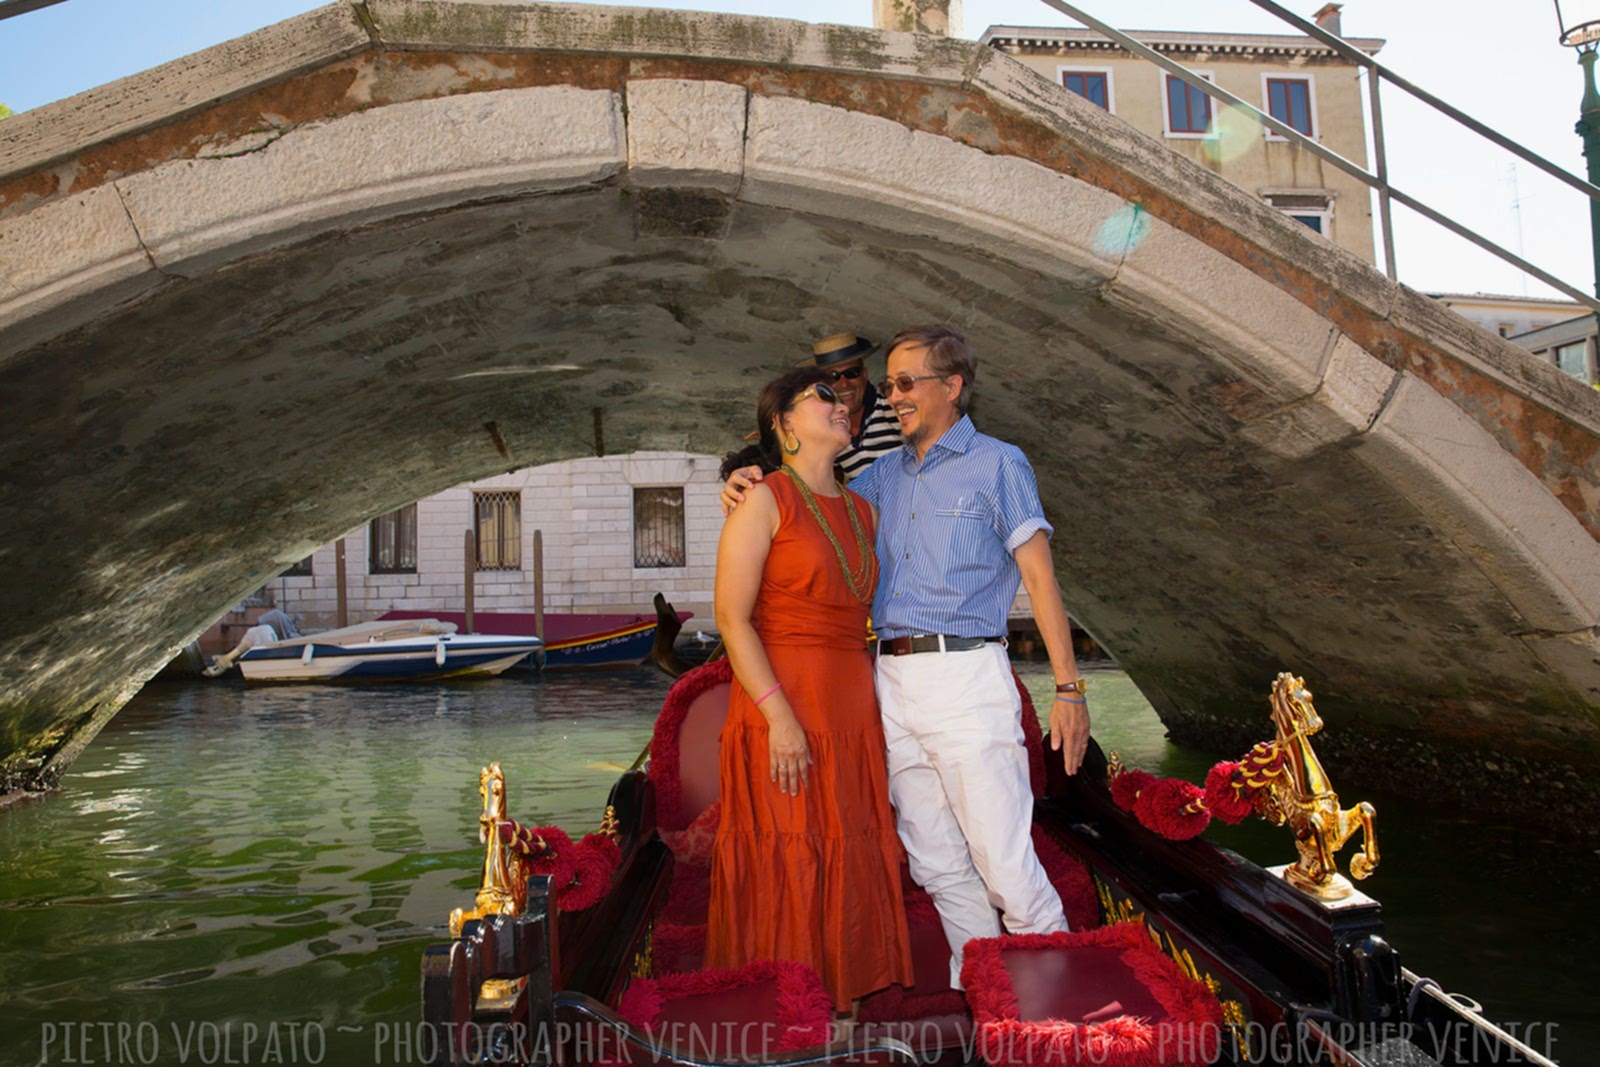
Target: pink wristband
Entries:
(769, 692)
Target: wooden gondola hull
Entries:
(1299, 981)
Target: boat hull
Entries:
(411, 660)
(571, 642)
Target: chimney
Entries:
(942, 17)
(1328, 18)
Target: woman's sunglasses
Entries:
(821, 392)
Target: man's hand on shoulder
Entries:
(738, 483)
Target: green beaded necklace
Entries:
(860, 584)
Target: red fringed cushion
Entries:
(666, 756)
(1107, 997)
(676, 948)
(1071, 881)
(693, 845)
(1032, 737)
(775, 1007)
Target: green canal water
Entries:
(248, 876)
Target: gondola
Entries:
(1182, 952)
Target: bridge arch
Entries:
(232, 329)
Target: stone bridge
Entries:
(252, 298)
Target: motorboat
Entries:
(588, 953)
(407, 650)
(582, 640)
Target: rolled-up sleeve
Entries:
(1020, 515)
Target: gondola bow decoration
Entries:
(1281, 780)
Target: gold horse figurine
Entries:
(1302, 797)
(501, 886)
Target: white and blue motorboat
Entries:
(410, 650)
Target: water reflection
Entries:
(281, 856)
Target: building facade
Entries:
(615, 530)
(1295, 79)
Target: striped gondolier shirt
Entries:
(880, 434)
(947, 527)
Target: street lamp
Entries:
(1584, 35)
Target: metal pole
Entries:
(1381, 158)
(469, 557)
(538, 584)
(1588, 128)
(342, 614)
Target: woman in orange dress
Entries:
(806, 863)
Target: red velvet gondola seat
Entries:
(1107, 997)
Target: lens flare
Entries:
(1124, 231)
(1233, 133)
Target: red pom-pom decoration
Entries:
(1126, 787)
(596, 856)
(1225, 796)
(1173, 808)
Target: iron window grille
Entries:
(498, 522)
(659, 535)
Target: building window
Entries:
(301, 569)
(392, 542)
(1506, 329)
(1574, 359)
(1188, 108)
(1311, 209)
(658, 528)
(1093, 85)
(1289, 101)
(497, 519)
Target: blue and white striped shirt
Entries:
(946, 529)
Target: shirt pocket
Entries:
(960, 513)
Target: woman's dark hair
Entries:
(777, 396)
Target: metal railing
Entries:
(1377, 73)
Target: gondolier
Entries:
(874, 430)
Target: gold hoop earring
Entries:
(793, 451)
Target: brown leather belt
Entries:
(905, 646)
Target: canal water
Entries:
(244, 876)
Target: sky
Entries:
(1497, 60)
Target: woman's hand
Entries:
(787, 749)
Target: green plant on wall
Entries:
(5, 112)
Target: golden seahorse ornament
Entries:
(1300, 796)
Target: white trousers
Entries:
(958, 778)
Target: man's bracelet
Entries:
(1071, 700)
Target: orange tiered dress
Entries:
(813, 878)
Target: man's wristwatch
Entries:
(1080, 686)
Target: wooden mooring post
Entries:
(538, 584)
(470, 560)
(342, 610)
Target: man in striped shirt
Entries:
(959, 527)
(874, 429)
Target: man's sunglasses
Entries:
(822, 393)
(904, 382)
(849, 372)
